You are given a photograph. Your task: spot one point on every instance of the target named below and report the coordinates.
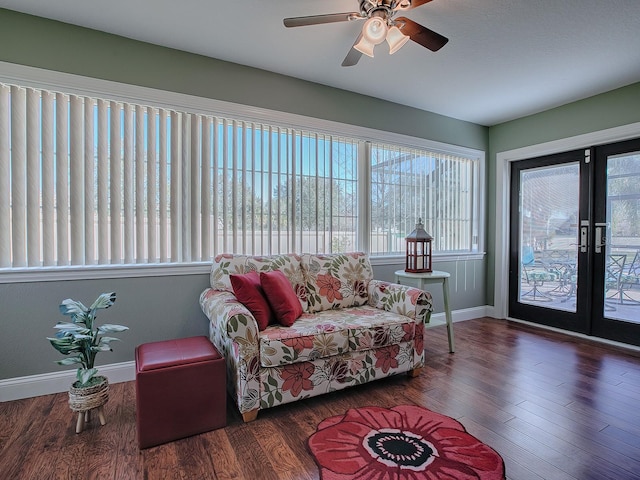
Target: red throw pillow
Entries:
(248, 291)
(281, 297)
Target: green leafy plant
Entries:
(81, 338)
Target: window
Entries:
(410, 184)
(90, 181)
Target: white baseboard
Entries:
(459, 315)
(470, 313)
(56, 382)
(491, 311)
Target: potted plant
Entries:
(82, 339)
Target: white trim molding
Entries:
(56, 382)
(503, 175)
(54, 274)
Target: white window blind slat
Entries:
(175, 212)
(215, 220)
(103, 183)
(316, 182)
(163, 203)
(450, 203)
(233, 174)
(244, 185)
(282, 198)
(152, 174)
(453, 197)
(62, 179)
(297, 185)
(224, 219)
(184, 201)
(140, 220)
(448, 218)
(33, 178)
(18, 176)
(115, 184)
(89, 182)
(194, 187)
(206, 191)
(128, 189)
(48, 179)
(5, 180)
(288, 177)
(252, 182)
(76, 180)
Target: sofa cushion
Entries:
(248, 290)
(337, 280)
(281, 297)
(227, 264)
(333, 332)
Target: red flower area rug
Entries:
(403, 442)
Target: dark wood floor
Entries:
(555, 407)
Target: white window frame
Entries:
(76, 84)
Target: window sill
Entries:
(52, 274)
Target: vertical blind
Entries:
(86, 181)
(92, 181)
(408, 184)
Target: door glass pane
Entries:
(549, 236)
(622, 268)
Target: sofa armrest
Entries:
(234, 332)
(229, 315)
(402, 299)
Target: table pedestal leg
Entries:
(447, 312)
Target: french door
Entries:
(574, 256)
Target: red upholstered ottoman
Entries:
(180, 390)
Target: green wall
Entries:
(157, 308)
(612, 109)
(167, 307)
(38, 42)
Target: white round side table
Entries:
(427, 278)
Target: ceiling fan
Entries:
(380, 24)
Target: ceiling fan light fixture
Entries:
(396, 39)
(374, 32)
(365, 46)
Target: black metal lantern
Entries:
(418, 250)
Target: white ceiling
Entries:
(505, 58)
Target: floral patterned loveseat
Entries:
(353, 329)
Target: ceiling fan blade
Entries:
(412, 4)
(353, 56)
(319, 19)
(421, 35)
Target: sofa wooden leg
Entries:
(415, 372)
(250, 416)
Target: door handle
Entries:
(601, 239)
(584, 235)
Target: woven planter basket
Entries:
(83, 399)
